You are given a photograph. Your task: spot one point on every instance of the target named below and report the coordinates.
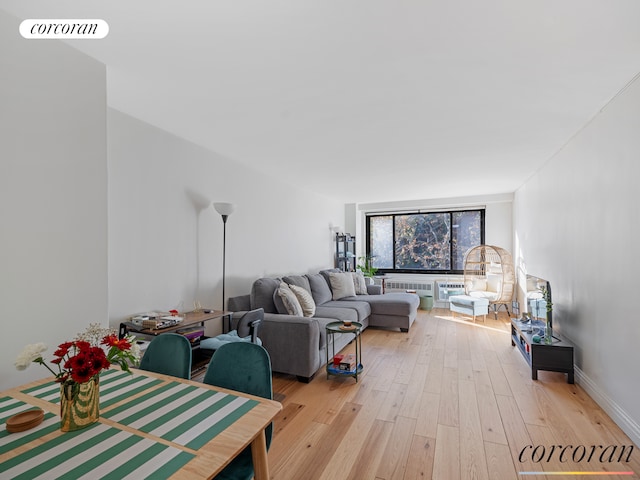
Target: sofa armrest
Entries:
(292, 342)
(374, 289)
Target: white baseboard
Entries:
(617, 414)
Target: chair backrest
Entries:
(249, 324)
(244, 367)
(170, 354)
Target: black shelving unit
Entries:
(346, 252)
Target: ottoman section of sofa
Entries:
(395, 309)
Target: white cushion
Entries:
(289, 300)
(359, 283)
(494, 283)
(480, 294)
(305, 299)
(342, 285)
(479, 284)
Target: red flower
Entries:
(82, 345)
(113, 341)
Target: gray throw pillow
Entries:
(342, 285)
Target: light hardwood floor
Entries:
(449, 400)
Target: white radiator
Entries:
(422, 288)
(446, 289)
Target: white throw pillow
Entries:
(342, 285)
(359, 283)
(493, 283)
(479, 284)
(290, 300)
(305, 299)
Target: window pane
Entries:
(422, 241)
(466, 233)
(381, 237)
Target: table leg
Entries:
(259, 457)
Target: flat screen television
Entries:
(538, 298)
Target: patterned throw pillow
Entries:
(290, 300)
(305, 299)
(359, 283)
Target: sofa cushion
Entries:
(319, 288)
(290, 301)
(393, 303)
(342, 285)
(362, 308)
(337, 313)
(359, 283)
(305, 299)
(262, 294)
(299, 280)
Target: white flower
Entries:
(135, 350)
(95, 333)
(30, 354)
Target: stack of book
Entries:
(345, 363)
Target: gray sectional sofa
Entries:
(297, 344)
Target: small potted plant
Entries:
(366, 266)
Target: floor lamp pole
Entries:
(224, 254)
(224, 209)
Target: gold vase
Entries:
(79, 404)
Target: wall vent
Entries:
(421, 288)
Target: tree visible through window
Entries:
(424, 242)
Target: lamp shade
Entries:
(224, 208)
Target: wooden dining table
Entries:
(151, 426)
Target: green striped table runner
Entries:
(115, 385)
(8, 441)
(95, 452)
(183, 414)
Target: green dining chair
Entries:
(170, 354)
(244, 367)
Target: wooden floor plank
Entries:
(473, 462)
(420, 460)
(446, 462)
(393, 463)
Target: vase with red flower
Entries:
(79, 365)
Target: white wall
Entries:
(577, 224)
(165, 240)
(53, 195)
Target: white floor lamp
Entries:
(224, 209)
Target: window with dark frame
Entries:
(423, 242)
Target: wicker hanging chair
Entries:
(489, 273)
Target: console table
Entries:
(555, 357)
(190, 319)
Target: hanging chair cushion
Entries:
(483, 294)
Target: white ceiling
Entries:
(366, 100)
